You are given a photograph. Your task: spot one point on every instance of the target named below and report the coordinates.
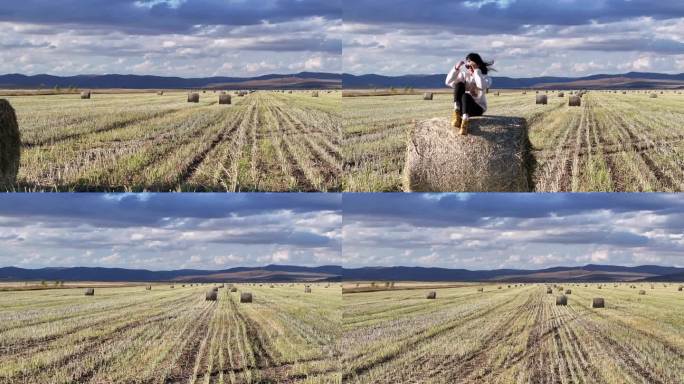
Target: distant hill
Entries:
(631, 80)
(336, 273)
(267, 273)
(584, 273)
(303, 80)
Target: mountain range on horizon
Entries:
(282, 273)
(302, 80)
(322, 80)
(630, 80)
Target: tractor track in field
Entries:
(190, 170)
(183, 368)
(421, 338)
(27, 346)
(106, 128)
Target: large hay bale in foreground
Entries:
(245, 297)
(211, 295)
(574, 101)
(680, 288)
(314, 94)
(542, 99)
(562, 300)
(10, 145)
(561, 94)
(549, 290)
(428, 96)
(653, 96)
(85, 95)
(598, 302)
(193, 97)
(490, 159)
(90, 292)
(432, 295)
(148, 288)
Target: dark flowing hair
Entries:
(485, 66)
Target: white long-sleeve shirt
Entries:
(476, 84)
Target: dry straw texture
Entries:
(490, 159)
(10, 145)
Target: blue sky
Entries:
(170, 37)
(525, 38)
(168, 231)
(487, 231)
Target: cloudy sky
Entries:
(488, 231)
(525, 38)
(169, 231)
(170, 37)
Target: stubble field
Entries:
(265, 141)
(170, 335)
(514, 334)
(613, 142)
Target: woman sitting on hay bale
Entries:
(470, 89)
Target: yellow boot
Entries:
(465, 123)
(456, 119)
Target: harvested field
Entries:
(265, 141)
(130, 334)
(611, 142)
(513, 335)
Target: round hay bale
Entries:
(211, 295)
(524, 93)
(598, 302)
(549, 290)
(568, 291)
(90, 292)
(85, 95)
(171, 287)
(653, 96)
(314, 94)
(160, 93)
(431, 295)
(561, 94)
(574, 101)
(289, 92)
(193, 97)
(148, 288)
(427, 96)
(542, 99)
(233, 289)
(10, 145)
(245, 297)
(490, 159)
(497, 93)
(642, 292)
(480, 289)
(624, 92)
(681, 288)
(562, 300)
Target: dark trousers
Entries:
(466, 103)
